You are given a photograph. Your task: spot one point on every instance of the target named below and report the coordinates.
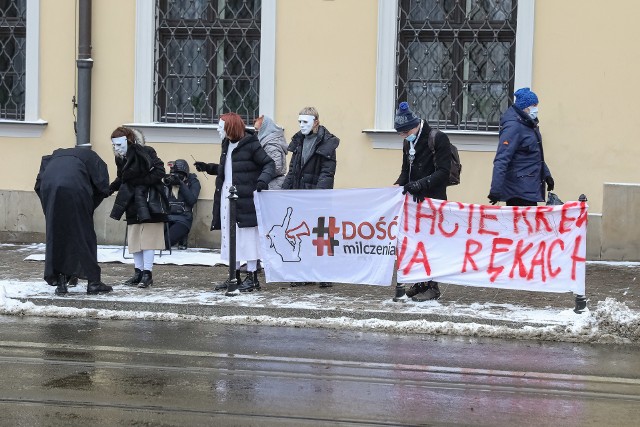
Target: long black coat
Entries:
(139, 186)
(424, 167)
(71, 183)
(319, 170)
(250, 164)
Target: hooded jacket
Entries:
(271, 138)
(139, 185)
(519, 169)
(319, 170)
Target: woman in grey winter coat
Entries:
(271, 138)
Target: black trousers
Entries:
(516, 201)
(178, 233)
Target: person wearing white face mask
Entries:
(141, 199)
(425, 173)
(313, 160)
(519, 169)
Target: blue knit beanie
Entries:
(405, 118)
(525, 98)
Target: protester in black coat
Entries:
(182, 189)
(71, 183)
(141, 196)
(313, 162)
(424, 173)
(245, 165)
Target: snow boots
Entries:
(137, 276)
(146, 280)
(250, 283)
(95, 288)
(424, 291)
(61, 285)
(224, 285)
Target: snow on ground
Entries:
(610, 322)
(108, 253)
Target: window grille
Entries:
(13, 38)
(207, 60)
(456, 60)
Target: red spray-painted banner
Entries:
(536, 248)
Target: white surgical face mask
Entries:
(119, 146)
(221, 131)
(411, 137)
(306, 123)
(533, 112)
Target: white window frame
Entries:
(32, 126)
(383, 135)
(144, 71)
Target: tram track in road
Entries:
(299, 369)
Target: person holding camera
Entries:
(182, 190)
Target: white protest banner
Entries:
(346, 236)
(534, 248)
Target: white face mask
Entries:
(306, 123)
(533, 112)
(221, 131)
(119, 146)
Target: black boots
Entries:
(424, 291)
(61, 285)
(137, 276)
(95, 288)
(250, 283)
(224, 285)
(146, 280)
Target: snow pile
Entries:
(611, 322)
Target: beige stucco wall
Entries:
(326, 57)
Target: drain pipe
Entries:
(84, 64)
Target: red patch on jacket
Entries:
(506, 143)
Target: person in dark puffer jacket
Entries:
(519, 169)
(141, 198)
(313, 162)
(245, 165)
(182, 189)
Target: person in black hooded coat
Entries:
(141, 197)
(71, 184)
(245, 165)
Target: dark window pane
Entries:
(207, 59)
(12, 59)
(455, 60)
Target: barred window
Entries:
(456, 60)
(207, 60)
(13, 38)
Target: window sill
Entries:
(22, 129)
(463, 140)
(178, 133)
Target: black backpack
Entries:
(456, 166)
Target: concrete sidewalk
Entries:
(186, 292)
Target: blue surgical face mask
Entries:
(411, 137)
(533, 112)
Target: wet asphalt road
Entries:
(84, 372)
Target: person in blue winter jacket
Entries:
(519, 170)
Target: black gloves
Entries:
(416, 188)
(262, 186)
(493, 198)
(210, 168)
(550, 183)
(113, 187)
(412, 187)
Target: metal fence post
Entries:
(581, 300)
(232, 289)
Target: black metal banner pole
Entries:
(232, 289)
(581, 300)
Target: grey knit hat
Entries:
(405, 118)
